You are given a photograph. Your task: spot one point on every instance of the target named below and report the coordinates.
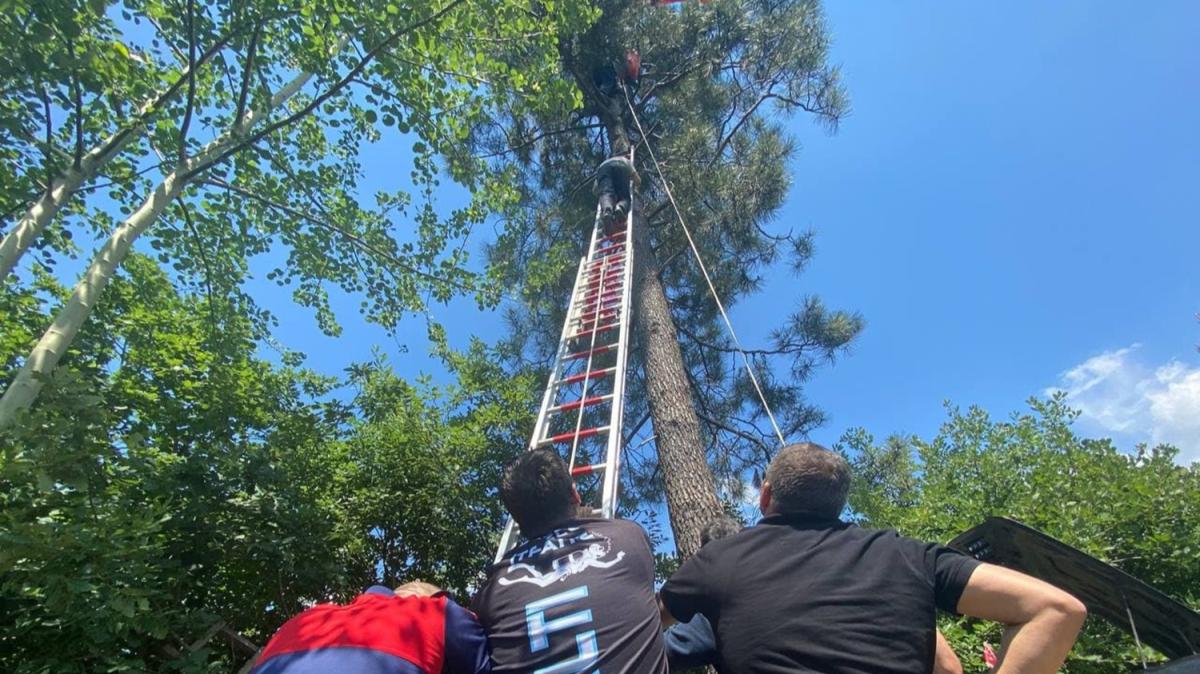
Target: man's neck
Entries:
(559, 523)
(773, 516)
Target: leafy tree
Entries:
(424, 461)
(254, 113)
(721, 76)
(171, 481)
(141, 504)
(1136, 511)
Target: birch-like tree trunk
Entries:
(43, 211)
(58, 337)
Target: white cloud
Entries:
(1119, 394)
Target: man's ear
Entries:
(764, 498)
(575, 497)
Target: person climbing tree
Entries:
(614, 181)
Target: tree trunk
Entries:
(691, 491)
(58, 337)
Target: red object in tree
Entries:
(633, 65)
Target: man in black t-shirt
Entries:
(693, 644)
(806, 592)
(578, 594)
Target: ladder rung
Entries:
(587, 470)
(592, 374)
(589, 323)
(610, 260)
(601, 328)
(610, 290)
(571, 435)
(608, 272)
(592, 307)
(591, 294)
(590, 352)
(593, 282)
(615, 246)
(612, 295)
(604, 312)
(576, 404)
(606, 262)
(607, 305)
(612, 236)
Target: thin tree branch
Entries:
(191, 94)
(729, 349)
(636, 427)
(734, 431)
(208, 272)
(251, 51)
(77, 93)
(354, 238)
(737, 127)
(803, 106)
(49, 138)
(540, 136)
(157, 26)
(380, 48)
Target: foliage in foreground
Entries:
(173, 478)
(1139, 512)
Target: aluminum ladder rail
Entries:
(582, 407)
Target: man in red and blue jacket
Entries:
(414, 630)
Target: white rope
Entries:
(696, 253)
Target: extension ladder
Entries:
(583, 403)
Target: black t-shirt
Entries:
(802, 595)
(578, 599)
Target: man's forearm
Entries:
(663, 614)
(1042, 621)
(1040, 645)
(945, 661)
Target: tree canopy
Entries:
(1136, 510)
(173, 480)
(224, 130)
(720, 79)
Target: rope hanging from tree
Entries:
(704, 270)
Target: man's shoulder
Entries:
(625, 530)
(840, 531)
(879, 537)
(885, 536)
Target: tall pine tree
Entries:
(718, 79)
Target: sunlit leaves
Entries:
(171, 477)
(1135, 510)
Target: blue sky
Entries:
(1012, 205)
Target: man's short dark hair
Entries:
(536, 490)
(718, 529)
(808, 479)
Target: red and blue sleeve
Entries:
(466, 646)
